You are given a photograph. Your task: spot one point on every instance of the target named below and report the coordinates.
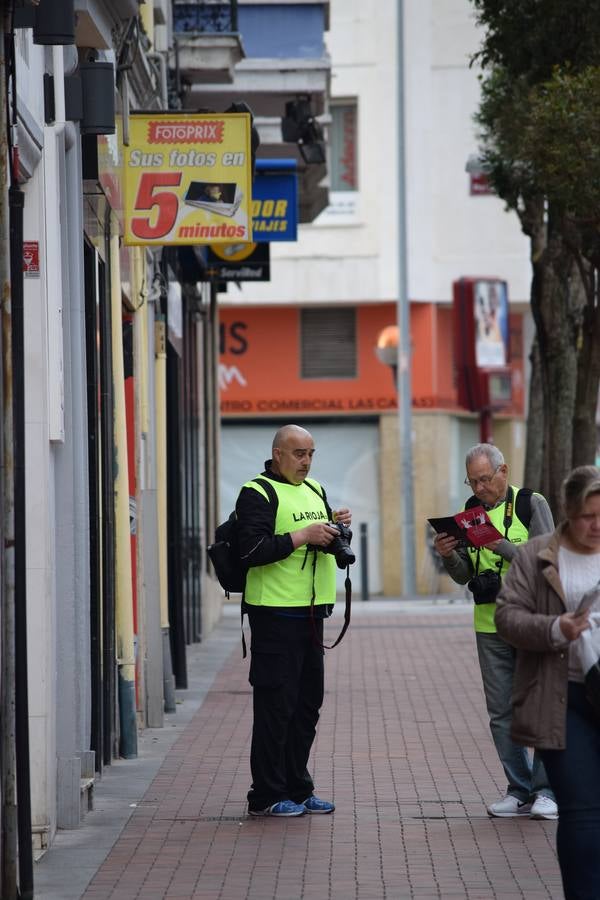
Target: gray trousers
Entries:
(526, 777)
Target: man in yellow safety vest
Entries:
(284, 529)
(518, 515)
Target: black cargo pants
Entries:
(286, 674)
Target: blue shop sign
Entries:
(275, 201)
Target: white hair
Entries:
(493, 454)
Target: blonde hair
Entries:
(579, 484)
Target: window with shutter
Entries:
(328, 343)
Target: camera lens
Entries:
(340, 547)
(344, 557)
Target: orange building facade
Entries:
(260, 365)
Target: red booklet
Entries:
(471, 527)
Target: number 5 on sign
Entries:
(148, 198)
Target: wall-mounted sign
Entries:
(481, 350)
(275, 200)
(31, 259)
(479, 185)
(188, 179)
(238, 262)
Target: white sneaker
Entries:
(543, 808)
(509, 806)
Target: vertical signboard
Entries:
(481, 334)
(490, 310)
(188, 179)
(275, 200)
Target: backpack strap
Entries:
(267, 489)
(523, 506)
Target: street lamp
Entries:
(387, 349)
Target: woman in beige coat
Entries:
(537, 611)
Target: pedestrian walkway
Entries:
(403, 748)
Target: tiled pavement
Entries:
(403, 747)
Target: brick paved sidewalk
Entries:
(403, 748)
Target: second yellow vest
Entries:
(483, 614)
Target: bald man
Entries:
(279, 541)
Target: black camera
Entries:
(485, 586)
(339, 546)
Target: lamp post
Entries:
(403, 373)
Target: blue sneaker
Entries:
(283, 808)
(316, 805)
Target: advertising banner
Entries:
(275, 200)
(238, 262)
(490, 310)
(188, 179)
(484, 364)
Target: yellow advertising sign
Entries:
(188, 179)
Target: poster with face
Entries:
(491, 323)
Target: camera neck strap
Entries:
(507, 522)
(347, 608)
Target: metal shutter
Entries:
(328, 343)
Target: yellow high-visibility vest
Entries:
(483, 613)
(289, 582)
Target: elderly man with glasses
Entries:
(518, 514)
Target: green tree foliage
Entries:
(540, 142)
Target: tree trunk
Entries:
(557, 313)
(588, 380)
(534, 450)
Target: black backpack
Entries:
(225, 552)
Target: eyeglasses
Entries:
(484, 480)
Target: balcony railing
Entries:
(206, 17)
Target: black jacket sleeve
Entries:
(259, 546)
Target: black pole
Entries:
(16, 203)
(364, 562)
(91, 288)
(174, 518)
(109, 656)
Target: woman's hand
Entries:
(572, 624)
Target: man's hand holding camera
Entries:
(319, 533)
(330, 537)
